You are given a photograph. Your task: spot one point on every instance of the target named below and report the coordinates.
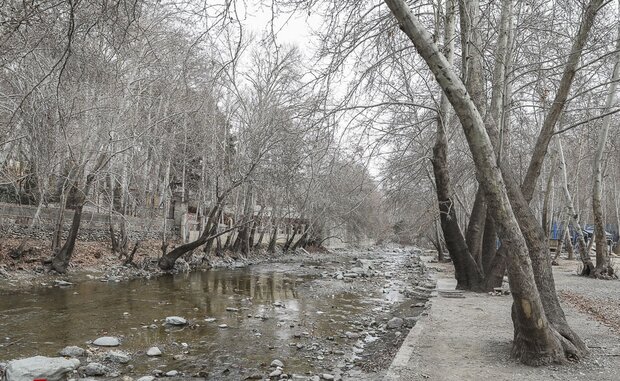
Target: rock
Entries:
(276, 363)
(232, 309)
(72, 351)
(62, 283)
(275, 373)
(223, 326)
(395, 323)
(410, 321)
(175, 320)
(172, 373)
(279, 304)
(40, 367)
(95, 369)
(118, 357)
(146, 378)
(327, 376)
(210, 320)
(107, 341)
(153, 351)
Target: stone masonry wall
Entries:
(15, 222)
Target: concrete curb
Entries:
(403, 357)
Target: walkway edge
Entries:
(404, 354)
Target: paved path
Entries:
(470, 339)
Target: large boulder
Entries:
(40, 367)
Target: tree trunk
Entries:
(166, 262)
(476, 226)
(271, 248)
(536, 342)
(584, 255)
(466, 270)
(548, 191)
(568, 242)
(61, 259)
(603, 267)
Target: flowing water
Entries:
(276, 311)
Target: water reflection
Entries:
(42, 321)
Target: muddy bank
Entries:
(341, 314)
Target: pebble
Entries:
(223, 326)
(232, 309)
(327, 376)
(172, 373)
(146, 378)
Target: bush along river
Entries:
(334, 316)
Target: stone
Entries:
(232, 309)
(118, 357)
(395, 323)
(176, 320)
(410, 321)
(107, 341)
(327, 376)
(95, 369)
(275, 373)
(40, 367)
(276, 363)
(146, 378)
(72, 351)
(153, 351)
(172, 373)
(62, 283)
(223, 326)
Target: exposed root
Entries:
(605, 272)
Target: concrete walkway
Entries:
(470, 339)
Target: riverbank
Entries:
(470, 338)
(94, 260)
(341, 314)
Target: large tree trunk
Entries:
(62, 257)
(603, 264)
(466, 271)
(536, 342)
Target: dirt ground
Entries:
(471, 338)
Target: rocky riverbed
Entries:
(314, 316)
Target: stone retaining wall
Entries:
(15, 222)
